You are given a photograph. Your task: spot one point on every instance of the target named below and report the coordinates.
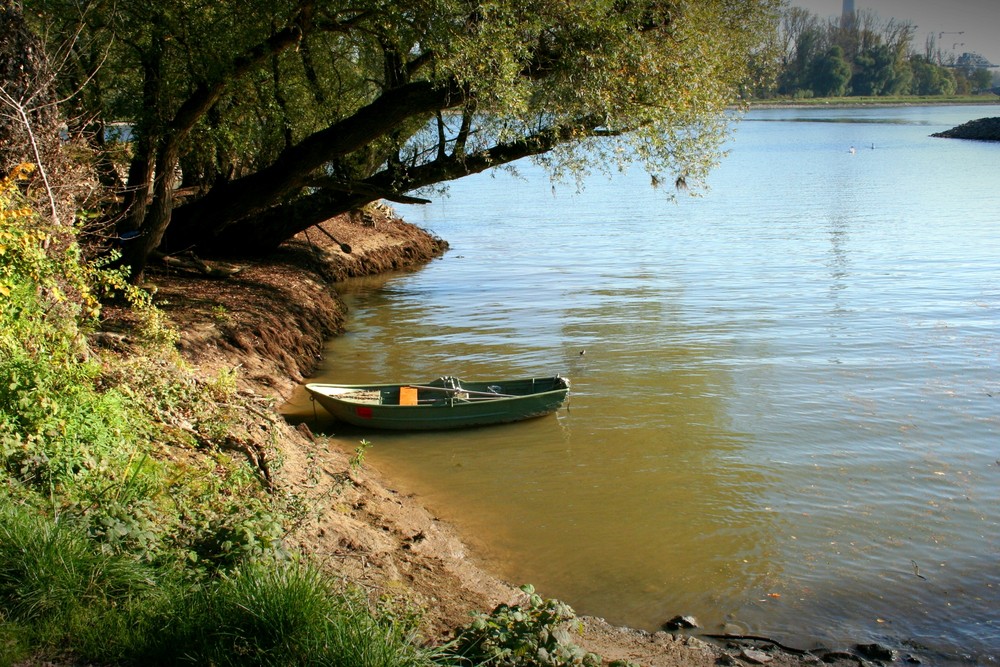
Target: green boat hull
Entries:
(445, 403)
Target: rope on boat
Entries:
(367, 395)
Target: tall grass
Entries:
(60, 595)
(285, 614)
(56, 588)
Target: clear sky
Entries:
(979, 20)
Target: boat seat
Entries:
(407, 395)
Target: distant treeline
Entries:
(866, 55)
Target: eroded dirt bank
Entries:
(267, 321)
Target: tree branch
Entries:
(269, 228)
(365, 190)
(294, 168)
(22, 116)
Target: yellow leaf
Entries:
(23, 170)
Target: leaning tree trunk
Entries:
(260, 234)
(174, 133)
(241, 202)
(265, 231)
(136, 251)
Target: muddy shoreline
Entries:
(266, 321)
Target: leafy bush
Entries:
(54, 427)
(533, 635)
(88, 434)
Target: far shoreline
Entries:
(985, 99)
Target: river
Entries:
(785, 416)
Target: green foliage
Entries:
(132, 531)
(931, 79)
(830, 74)
(55, 429)
(880, 72)
(267, 106)
(980, 79)
(57, 591)
(280, 614)
(867, 57)
(536, 634)
(82, 432)
(358, 459)
(59, 595)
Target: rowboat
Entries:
(445, 403)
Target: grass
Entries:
(59, 594)
(878, 101)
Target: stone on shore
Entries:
(681, 623)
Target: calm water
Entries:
(787, 419)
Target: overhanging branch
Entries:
(362, 189)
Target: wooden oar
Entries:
(464, 391)
(469, 399)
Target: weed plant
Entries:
(101, 438)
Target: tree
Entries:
(800, 40)
(277, 114)
(830, 74)
(877, 73)
(29, 123)
(981, 79)
(930, 78)
(876, 50)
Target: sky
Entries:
(979, 20)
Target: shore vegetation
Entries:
(143, 516)
(139, 521)
(870, 101)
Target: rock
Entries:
(834, 656)
(755, 657)
(876, 652)
(984, 129)
(681, 623)
(733, 629)
(303, 428)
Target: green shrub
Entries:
(533, 635)
(133, 530)
(54, 426)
